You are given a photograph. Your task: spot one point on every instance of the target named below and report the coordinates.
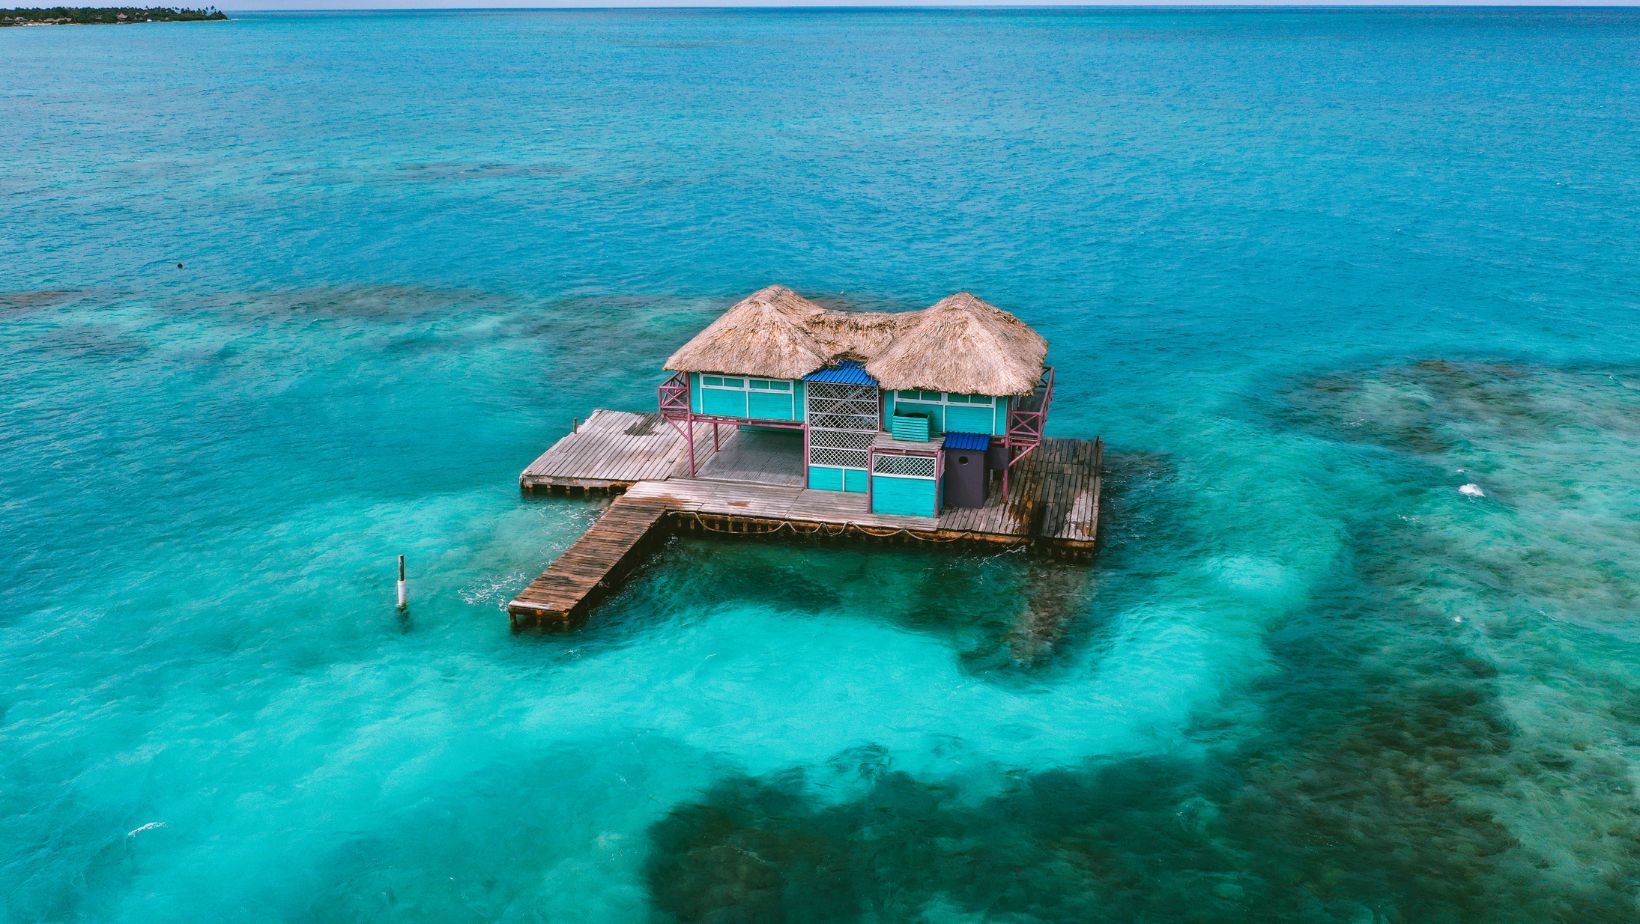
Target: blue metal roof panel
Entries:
(844, 373)
(972, 441)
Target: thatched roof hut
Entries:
(960, 344)
(765, 334)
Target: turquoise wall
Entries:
(723, 403)
(854, 480)
(989, 417)
(970, 418)
(826, 478)
(765, 405)
(910, 497)
(752, 403)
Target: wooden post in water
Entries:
(404, 596)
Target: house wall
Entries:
(911, 497)
(735, 396)
(756, 403)
(991, 416)
(828, 478)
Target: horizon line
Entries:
(489, 6)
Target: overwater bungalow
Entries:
(783, 416)
(915, 410)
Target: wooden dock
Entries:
(1052, 505)
(561, 596)
(611, 450)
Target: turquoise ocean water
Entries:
(1308, 273)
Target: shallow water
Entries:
(1309, 273)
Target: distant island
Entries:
(106, 15)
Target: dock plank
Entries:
(561, 595)
(611, 449)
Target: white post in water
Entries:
(404, 597)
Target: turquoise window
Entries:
(760, 399)
(770, 405)
(965, 418)
(723, 402)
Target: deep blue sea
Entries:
(1352, 296)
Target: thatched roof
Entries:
(960, 344)
(765, 334)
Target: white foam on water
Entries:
(1471, 490)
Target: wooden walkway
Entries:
(1052, 505)
(611, 450)
(587, 570)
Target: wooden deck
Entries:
(1052, 505)
(1053, 502)
(561, 596)
(611, 450)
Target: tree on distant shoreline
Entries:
(109, 15)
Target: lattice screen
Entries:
(842, 422)
(842, 458)
(842, 439)
(907, 466)
(856, 422)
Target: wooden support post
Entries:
(691, 441)
(404, 595)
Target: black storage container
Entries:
(996, 458)
(965, 479)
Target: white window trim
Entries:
(944, 399)
(774, 386)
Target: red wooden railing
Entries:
(674, 395)
(676, 410)
(1027, 421)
